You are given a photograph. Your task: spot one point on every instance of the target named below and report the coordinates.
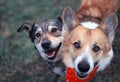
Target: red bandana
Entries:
(71, 75)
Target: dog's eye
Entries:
(96, 48)
(77, 45)
(53, 30)
(37, 34)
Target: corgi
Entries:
(47, 39)
(88, 35)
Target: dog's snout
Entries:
(46, 43)
(83, 66)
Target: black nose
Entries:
(83, 66)
(46, 44)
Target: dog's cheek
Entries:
(74, 53)
(56, 42)
(37, 40)
(97, 56)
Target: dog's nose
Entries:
(46, 43)
(83, 66)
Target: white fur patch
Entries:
(90, 25)
(104, 62)
(58, 70)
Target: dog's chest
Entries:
(56, 67)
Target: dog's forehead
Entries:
(56, 23)
(53, 22)
(87, 35)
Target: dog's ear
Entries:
(69, 19)
(30, 28)
(109, 24)
(59, 19)
(25, 26)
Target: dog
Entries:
(97, 9)
(47, 39)
(88, 35)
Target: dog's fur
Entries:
(89, 35)
(47, 39)
(97, 8)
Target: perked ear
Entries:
(109, 24)
(59, 19)
(25, 26)
(69, 19)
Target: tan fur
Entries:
(97, 8)
(51, 37)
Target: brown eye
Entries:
(96, 48)
(37, 34)
(54, 30)
(77, 45)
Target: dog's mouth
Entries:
(82, 75)
(52, 53)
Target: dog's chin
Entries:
(52, 53)
(81, 75)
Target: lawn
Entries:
(19, 61)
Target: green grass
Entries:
(16, 50)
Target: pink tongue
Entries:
(50, 53)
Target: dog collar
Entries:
(72, 77)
